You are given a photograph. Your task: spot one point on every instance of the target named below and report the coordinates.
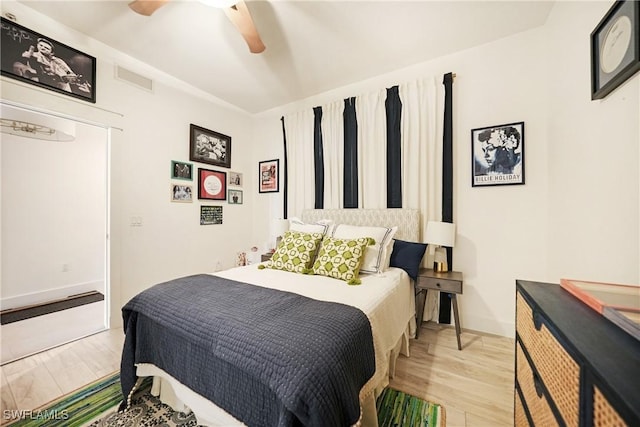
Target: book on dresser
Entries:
(574, 367)
(618, 303)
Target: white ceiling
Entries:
(312, 46)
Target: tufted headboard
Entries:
(407, 220)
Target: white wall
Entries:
(155, 130)
(593, 159)
(576, 182)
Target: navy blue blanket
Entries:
(268, 357)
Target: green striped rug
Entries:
(398, 409)
(100, 399)
(76, 408)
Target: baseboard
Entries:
(21, 313)
(50, 294)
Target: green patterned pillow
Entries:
(295, 253)
(341, 258)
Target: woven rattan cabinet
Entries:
(573, 366)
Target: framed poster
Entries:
(210, 215)
(212, 185)
(235, 197)
(207, 146)
(615, 48)
(497, 155)
(235, 179)
(181, 193)
(269, 176)
(181, 170)
(41, 61)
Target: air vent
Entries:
(134, 78)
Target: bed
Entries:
(381, 309)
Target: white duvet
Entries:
(386, 298)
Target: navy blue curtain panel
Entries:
(318, 158)
(447, 183)
(350, 154)
(393, 107)
(285, 194)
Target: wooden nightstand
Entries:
(266, 257)
(449, 282)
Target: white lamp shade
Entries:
(441, 233)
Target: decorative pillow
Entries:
(376, 257)
(295, 253)
(341, 258)
(322, 226)
(408, 256)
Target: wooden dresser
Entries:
(573, 366)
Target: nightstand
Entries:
(266, 257)
(449, 282)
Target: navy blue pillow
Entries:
(408, 256)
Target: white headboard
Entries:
(407, 220)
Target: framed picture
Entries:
(235, 179)
(207, 146)
(235, 197)
(212, 185)
(210, 215)
(181, 193)
(181, 170)
(38, 60)
(615, 48)
(269, 176)
(497, 155)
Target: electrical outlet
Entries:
(65, 268)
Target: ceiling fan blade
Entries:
(241, 18)
(146, 7)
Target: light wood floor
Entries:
(474, 385)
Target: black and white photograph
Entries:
(181, 193)
(210, 215)
(235, 197)
(235, 179)
(181, 170)
(39, 60)
(207, 146)
(497, 155)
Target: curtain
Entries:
(350, 154)
(318, 159)
(372, 150)
(333, 154)
(301, 184)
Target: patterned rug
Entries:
(95, 405)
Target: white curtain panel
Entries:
(333, 152)
(372, 150)
(421, 138)
(301, 183)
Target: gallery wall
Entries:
(148, 130)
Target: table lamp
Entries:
(438, 235)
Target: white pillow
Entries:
(377, 256)
(321, 226)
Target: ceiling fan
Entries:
(236, 11)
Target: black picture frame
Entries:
(497, 155)
(25, 57)
(210, 215)
(208, 146)
(212, 184)
(615, 48)
(269, 176)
